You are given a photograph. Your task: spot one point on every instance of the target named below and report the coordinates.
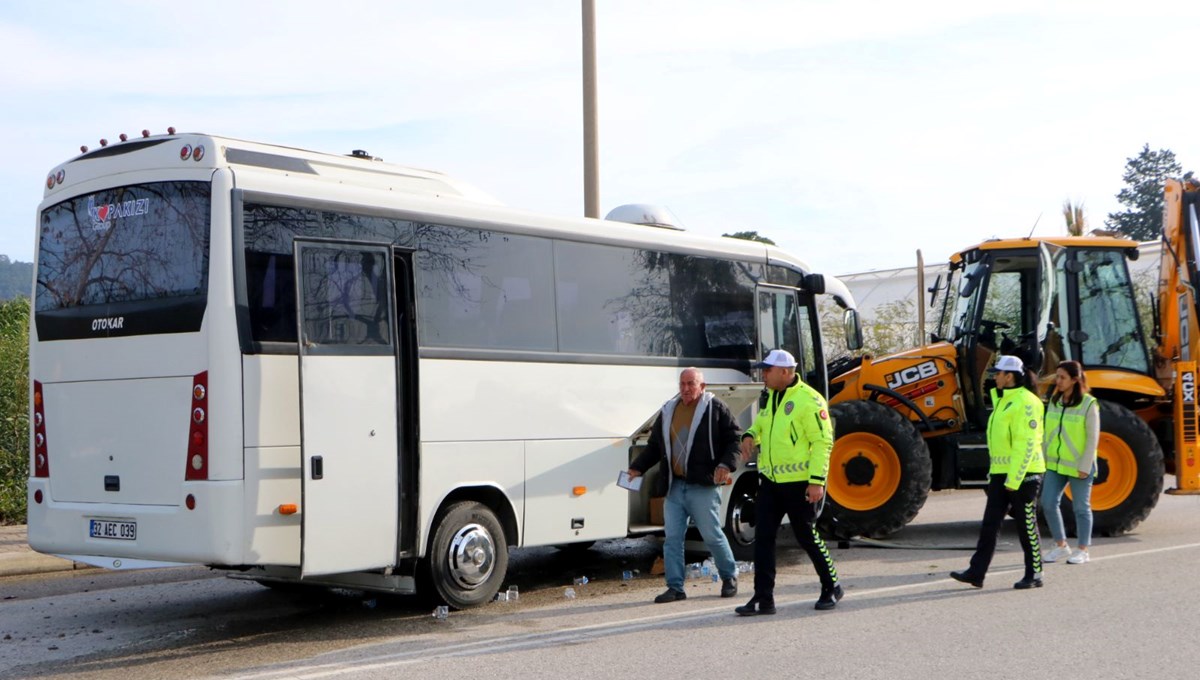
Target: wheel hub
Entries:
(742, 519)
(860, 471)
(472, 556)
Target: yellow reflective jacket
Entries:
(1067, 450)
(1014, 436)
(795, 435)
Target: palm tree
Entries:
(1073, 214)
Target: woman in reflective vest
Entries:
(1072, 433)
(1014, 438)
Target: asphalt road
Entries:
(1130, 613)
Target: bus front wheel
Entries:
(468, 556)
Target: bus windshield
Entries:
(137, 251)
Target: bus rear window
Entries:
(126, 261)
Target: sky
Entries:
(852, 134)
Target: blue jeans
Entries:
(703, 505)
(1081, 500)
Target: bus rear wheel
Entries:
(879, 471)
(1129, 476)
(468, 555)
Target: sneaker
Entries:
(829, 597)
(756, 607)
(1028, 582)
(1080, 557)
(966, 577)
(670, 595)
(728, 587)
(1059, 552)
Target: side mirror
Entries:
(853, 327)
(933, 290)
(814, 283)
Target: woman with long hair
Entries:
(1072, 434)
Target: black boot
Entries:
(829, 597)
(728, 587)
(756, 606)
(1028, 582)
(966, 576)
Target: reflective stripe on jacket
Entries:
(795, 435)
(1068, 449)
(1014, 436)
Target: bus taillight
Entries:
(41, 454)
(197, 449)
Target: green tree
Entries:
(1145, 175)
(891, 328)
(750, 236)
(14, 409)
(16, 278)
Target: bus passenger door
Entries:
(347, 407)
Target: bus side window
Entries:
(271, 296)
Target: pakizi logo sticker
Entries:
(103, 215)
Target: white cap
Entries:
(778, 358)
(1008, 362)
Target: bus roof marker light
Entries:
(103, 142)
(60, 176)
(123, 137)
(170, 131)
(185, 152)
(83, 148)
(50, 182)
(198, 152)
(145, 133)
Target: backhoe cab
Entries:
(916, 421)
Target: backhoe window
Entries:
(965, 305)
(1108, 313)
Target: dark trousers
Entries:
(1022, 506)
(773, 503)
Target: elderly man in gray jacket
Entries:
(696, 439)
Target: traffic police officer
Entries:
(795, 437)
(1014, 437)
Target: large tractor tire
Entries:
(879, 471)
(1129, 477)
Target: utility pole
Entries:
(591, 160)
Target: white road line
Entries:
(511, 642)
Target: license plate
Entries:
(103, 528)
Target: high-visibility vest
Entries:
(794, 434)
(1014, 436)
(1066, 435)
